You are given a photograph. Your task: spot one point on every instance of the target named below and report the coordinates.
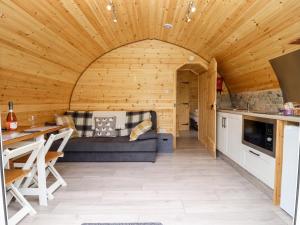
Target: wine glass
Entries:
(32, 120)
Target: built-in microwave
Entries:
(260, 134)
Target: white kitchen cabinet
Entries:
(229, 142)
(290, 168)
(229, 136)
(260, 165)
(222, 132)
(235, 149)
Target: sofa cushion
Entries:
(140, 129)
(105, 127)
(110, 144)
(68, 121)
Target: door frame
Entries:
(211, 70)
(175, 95)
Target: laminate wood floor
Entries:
(183, 188)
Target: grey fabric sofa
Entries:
(114, 149)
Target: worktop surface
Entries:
(263, 115)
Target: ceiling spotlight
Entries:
(109, 6)
(168, 26)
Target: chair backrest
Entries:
(32, 149)
(64, 135)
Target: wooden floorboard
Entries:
(184, 188)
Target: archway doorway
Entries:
(196, 104)
(187, 101)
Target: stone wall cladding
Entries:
(224, 101)
(265, 101)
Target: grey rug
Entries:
(122, 224)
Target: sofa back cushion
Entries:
(83, 122)
(132, 120)
(105, 127)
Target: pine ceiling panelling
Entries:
(70, 34)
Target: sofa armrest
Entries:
(151, 134)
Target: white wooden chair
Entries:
(51, 158)
(14, 177)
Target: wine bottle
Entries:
(11, 119)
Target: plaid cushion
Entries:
(83, 122)
(132, 120)
(68, 121)
(141, 128)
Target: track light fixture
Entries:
(111, 7)
(190, 10)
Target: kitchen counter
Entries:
(295, 119)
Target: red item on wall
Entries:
(219, 84)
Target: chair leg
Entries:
(57, 175)
(20, 198)
(26, 207)
(59, 181)
(50, 195)
(30, 180)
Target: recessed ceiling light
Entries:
(168, 26)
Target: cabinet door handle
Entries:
(254, 153)
(224, 122)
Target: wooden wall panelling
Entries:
(36, 86)
(57, 40)
(192, 79)
(182, 104)
(138, 76)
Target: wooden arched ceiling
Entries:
(69, 34)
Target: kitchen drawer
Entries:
(260, 165)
